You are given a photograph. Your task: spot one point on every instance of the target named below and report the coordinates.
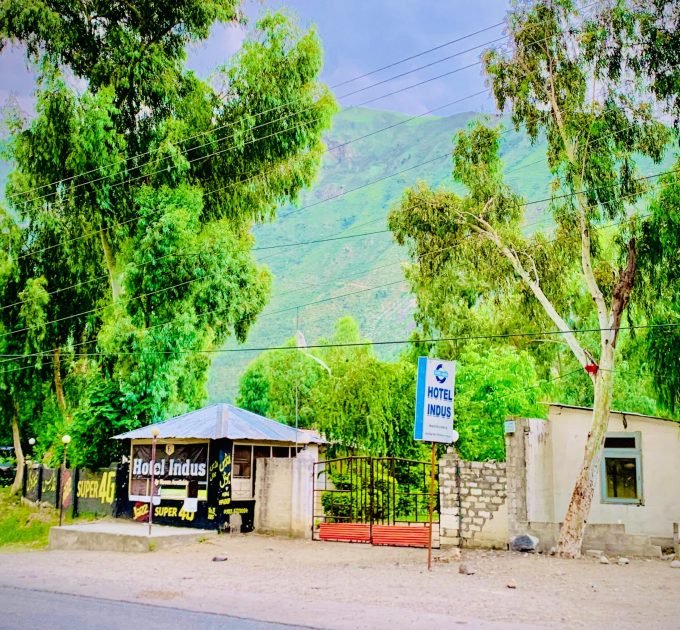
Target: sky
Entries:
(358, 36)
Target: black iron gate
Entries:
(378, 500)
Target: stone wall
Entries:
(473, 503)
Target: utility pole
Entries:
(297, 380)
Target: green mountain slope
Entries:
(317, 272)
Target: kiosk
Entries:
(201, 472)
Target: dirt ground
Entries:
(338, 585)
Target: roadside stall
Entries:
(198, 470)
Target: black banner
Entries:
(96, 491)
(173, 461)
(33, 474)
(48, 493)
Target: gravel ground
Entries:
(337, 585)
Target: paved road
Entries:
(22, 608)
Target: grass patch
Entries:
(22, 526)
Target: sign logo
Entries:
(441, 374)
(169, 449)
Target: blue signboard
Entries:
(434, 400)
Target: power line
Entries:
(102, 308)
(297, 307)
(251, 178)
(247, 179)
(130, 180)
(200, 253)
(267, 111)
(285, 215)
(440, 46)
(361, 344)
(356, 78)
(287, 130)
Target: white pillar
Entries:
(302, 499)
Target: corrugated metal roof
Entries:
(225, 421)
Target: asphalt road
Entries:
(25, 608)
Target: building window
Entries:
(243, 459)
(621, 469)
(262, 451)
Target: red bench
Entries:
(401, 535)
(345, 532)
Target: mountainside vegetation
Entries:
(311, 274)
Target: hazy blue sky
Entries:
(358, 36)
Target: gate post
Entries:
(303, 490)
(372, 495)
(450, 512)
(40, 482)
(74, 493)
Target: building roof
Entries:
(621, 413)
(225, 421)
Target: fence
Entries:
(82, 491)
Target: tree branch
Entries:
(488, 232)
(589, 275)
(623, 289)
(591, 282)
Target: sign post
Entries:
(434, 416)
(429, 542)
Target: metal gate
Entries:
(377, 500)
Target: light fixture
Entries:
(66, 439)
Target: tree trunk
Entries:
(18, 453)
(573, 527)
(58, 385)
(110, 260)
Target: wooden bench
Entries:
(401, 535)
(345, 532)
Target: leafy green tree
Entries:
(23, 307)
(280, 382)
(136, 197)
(369, 407)
(596, 128)
(659, 289)
(363, 404)
(492, 386)
(643, 39)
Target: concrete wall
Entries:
(660, 458)
(516, 470)
(473, 509)
(538, 449)
(283, 495)
(273, 495)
